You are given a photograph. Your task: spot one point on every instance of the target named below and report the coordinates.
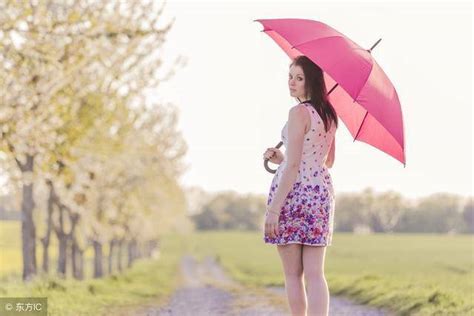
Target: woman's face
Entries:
(296, 82)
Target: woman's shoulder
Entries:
(302, 104)
(298, 112)
(300, 107)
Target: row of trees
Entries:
(355, 212)
(94, 162)
(390, 212)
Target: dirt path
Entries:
(207, 290)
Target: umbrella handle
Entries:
(265, 162)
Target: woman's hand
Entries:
(271, 224)
(274, 155)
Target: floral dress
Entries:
(307, 215)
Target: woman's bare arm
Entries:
(331, 155)
(296, 132)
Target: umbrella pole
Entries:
(373, 46)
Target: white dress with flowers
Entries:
(307, 215)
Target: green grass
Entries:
(10, 246)
(413, 274)
(148, 281)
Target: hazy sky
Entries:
(233, 95)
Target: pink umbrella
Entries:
(367, 103)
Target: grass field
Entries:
(148, 281)
(414, 274)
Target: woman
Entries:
(300, 205)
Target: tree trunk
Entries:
(77, 258)
(62, 254)
(76, 253)
(62, 244)
(132, 252)
(80, 264)
(150, 248)
(98, 269)
(137, 250)
(120, 255)
(111, 253)
(28, 230)
(49, 222)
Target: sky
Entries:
(233, 98)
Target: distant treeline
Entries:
(7, 215)
(363, 212)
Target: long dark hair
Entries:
(315, 87)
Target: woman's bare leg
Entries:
(290, 255)
(316, 285)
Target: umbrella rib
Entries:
(371, 67)
(357, 47)
(360, 126)
(316, 39)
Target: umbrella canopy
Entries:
(364, 99)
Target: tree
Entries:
(437, 213)
(468, 215)
(54, 56)
(229, 210)
(386, 211)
